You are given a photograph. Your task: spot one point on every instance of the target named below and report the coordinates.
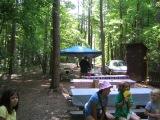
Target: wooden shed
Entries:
(136, 61)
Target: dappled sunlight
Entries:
(26, 81)
(45, 85)
(15, 76)
(54, 118)
(17, 81)
(35, 94)
(34, 72)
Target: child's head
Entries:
(120, 87)
(155, 95)
(123, 86)
(126, 86)
(9, 99)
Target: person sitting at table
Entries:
(152, 108)
(85, 66)
(95, 108)
(124, 102)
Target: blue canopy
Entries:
(79, 51)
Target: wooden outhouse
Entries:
(136, 60)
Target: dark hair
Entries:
(127, 84)
(100, 91)
(5, 99)
(123, 85)
(85, 57)
(120, 87)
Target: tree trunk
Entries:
(102, 35)
(55, 46)
(89, 24)
(45, 55)
(120, 53)
(137, 29)
(112, 50)
(82, 19)
(12, 45)
(109, 47)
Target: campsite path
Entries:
(36, 103)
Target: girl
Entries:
(123, 104)
(9, 104)
(153, 106)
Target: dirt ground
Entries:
(36, 102)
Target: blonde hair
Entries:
(155, 91)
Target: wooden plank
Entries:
(80, 112)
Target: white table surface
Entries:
(109, 80)
(81, 95)
(107, 77)
(112, 81)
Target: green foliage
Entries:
(152, 41)
(70, 35)
(7, 10)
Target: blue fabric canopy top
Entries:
(79, 51)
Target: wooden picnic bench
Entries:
(79, 113)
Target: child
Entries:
(127, 94)
(8, 105)
(123, 103)
(153, 106)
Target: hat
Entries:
(104, 85)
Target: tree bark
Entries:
(89, 24)
(102, 35)
(55, 59)
(45, 55)
(121, 30)
(12, 45)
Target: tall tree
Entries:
(89, 23)
(12, 45)
(12, 42)
(45, 55)
(102, 35)
(121, 29)
(55, 53)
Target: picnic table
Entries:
(81, 95)
(88, 83)
(106, 77)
